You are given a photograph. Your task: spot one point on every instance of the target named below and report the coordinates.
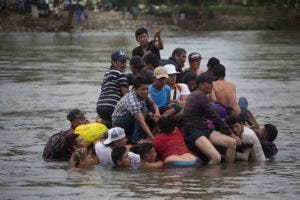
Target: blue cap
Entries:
(118, 55)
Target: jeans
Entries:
(243, 104)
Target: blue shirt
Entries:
(160, 97)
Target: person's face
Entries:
(88, 161)
(192, 85)
(142, 91)
(120, 64)
(172, 79)
(79, 120)
(206, 87)
(237, 128)
(195, 64)
(159, 83)
(180, 59)
(125, 161)
(151, 156)
(80, 143)
(263, 134)
(121, 142)
(143, 39)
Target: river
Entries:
(44, 75)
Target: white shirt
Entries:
(255, 153)
(103, 153)
(184, 90)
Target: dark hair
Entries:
(231, 120)
(212, 62)
(166, 124)
(142, 149)
(70, 141)
(138, 81)
(219, 71)
(73, 114)
(272, 131)
(140, 31)
(189, 76)
(151, 59)
(117, 154)
(178, 51)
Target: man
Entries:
(212, 62)
(194, 59)
(131, 111)
(151, 61)
(196, 112)
(113, 87)
(55, 148)
(116, 138)
(145, 47)
(138, 69)
(224, 91)
(178, 59)
(158, 90)
(255, 153)
(190, 80)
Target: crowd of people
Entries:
(163, 114)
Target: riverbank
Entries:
(230, 18)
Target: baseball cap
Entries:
(118, 55)
(74, 113)
(194, 56)
(136, 61)
(205, 77)
(114, 134)
(171, 69)
(161, 72)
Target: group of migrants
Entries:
(163, 115)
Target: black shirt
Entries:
(138, 51)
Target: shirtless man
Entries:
(224, 91)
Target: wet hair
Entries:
(166, 124)
(189, 76)
(212, 62)
(79, 154)
(231, 120)
(117, 154)
(138, 81)
(142, 149)
(73, 114)
(70, 141)
(151, 59)
(178, 52)
(272, 131)
(219, 71)
(140, 31)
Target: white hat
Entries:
(171, 69)
(114, 134)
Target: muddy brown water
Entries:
(43, 75)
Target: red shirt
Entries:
(170, 144)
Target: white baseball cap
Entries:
(171, 69)
(114, 134)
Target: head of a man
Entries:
(146, 151)
(115, 137)
(172, 74)
(141, 36)
(269, 132)
(212, 62)
(136, 64)
(205, 83)
(76, 117)
(190, 79)
(140, 86)
(121, 157)
(118, 59)
(179, 55)
(161, 76)
(235, 123)
(194, 60)
(219, 72)
(151, 61)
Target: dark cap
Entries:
(137, 62)
(205, 77)
(213, 62)
(194, 56)
(73, 114)
(118, 55)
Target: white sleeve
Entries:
(135, 158)
(184, 89)
(256, 152)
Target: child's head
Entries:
(166, 124)
(146, 151)
(269, 132)
(121, 157)
(235, 123)
(83, 158)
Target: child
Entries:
(82, 159)
(121, 158)
(148, 156)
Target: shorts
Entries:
(194, 163)
(192, 135)
(105, 112)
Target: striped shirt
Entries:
(130, 103)
(111, 93)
